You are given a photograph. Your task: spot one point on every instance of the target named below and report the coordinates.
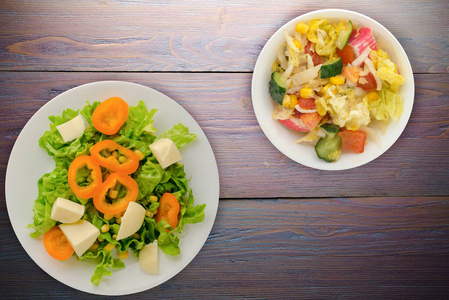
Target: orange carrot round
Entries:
(110, 115)
(57, 245)
(168, 209)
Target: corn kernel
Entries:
(118, 220)
(274, 67)
(104, 228)
(94, 247)
(301, 28)
(113, 194)
(293, 100)
(297, 44)
(338, 80)
(114, 236)
(286, 101)
(373, 96)
(100, 239)
(109, 247)
(139, 154)
(136, 235)
(153, 198)
(122, 159)
(307, 93)
(107, 217)
(123, 255)
(149, 214)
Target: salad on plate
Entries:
(331, 82)
(117, 188)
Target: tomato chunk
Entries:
(367, 83)
(347, 54)
(306, 103)
(317, 60)
(353, 140)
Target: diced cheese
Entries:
(81, 235)
(165, 152)
(66, 211)
(132, 220)
(148, 258)
(72, 129)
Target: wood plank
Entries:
(416, 165)
(212, 36)
(323, 248)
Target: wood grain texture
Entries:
(224, 36)
(416, 165)
(323, 248)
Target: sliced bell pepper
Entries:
(126, 161)
(168, 209)
(110, 115)
(84, 191)
(114, 206)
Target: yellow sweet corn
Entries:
(307, 93)
(286, 101)
(297, 44)
(337, 80)
(373, 96)
(301, 28)
(293, 101)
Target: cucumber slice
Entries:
(277, 87)
(331, 68)
(331, 129)
(328, 148)
(343, 37)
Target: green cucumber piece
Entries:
(331, 129)
(331, 68)
(343, 37)
(328, 148)
(277, 87)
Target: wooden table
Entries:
(282, 230)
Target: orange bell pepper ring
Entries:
(168, 209)
(125, 160)
(85, 191)
(108, 206)
(110, 115)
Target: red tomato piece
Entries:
(307, 103)
(353, 140)
(317, 60)
(347, 54)
(367, 83)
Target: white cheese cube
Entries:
(132, 220)
(72, 129)
(165, 152)
(81, 235)
(148, 258)
(66, 211)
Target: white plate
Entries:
(284, 139)
(28, 162)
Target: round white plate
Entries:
(284, 139)
(28, 162)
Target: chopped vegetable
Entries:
(124, 184)
(110, 115)
(347, 54)
(111, 155)
(328, 148)
(353, 140)
(331, 68)
(84, 176)
(362, 39)
(168, 209)
(343, 36)
(57, 245)
(278, 87)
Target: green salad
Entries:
(153, 181)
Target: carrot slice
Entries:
(110, 115)
(168, 209)
(57, 245)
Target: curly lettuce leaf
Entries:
(139, 123)
(388, 105)
(50, 186)
(179, 134)
(105, 264)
